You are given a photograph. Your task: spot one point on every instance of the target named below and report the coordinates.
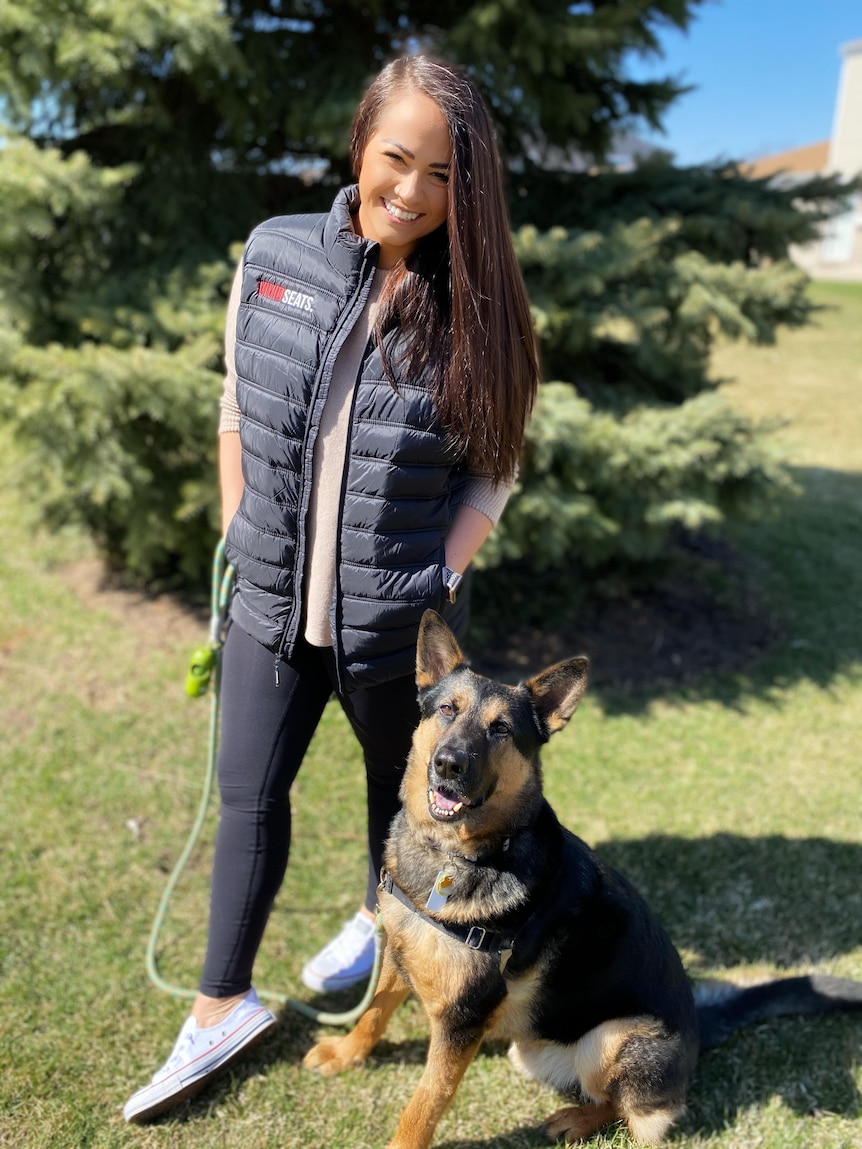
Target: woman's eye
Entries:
(442, 177)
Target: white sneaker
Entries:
(198, 1055)
(346, 960)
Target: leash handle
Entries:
(220, 591)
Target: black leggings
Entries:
(265, 732)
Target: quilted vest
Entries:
(305, 282)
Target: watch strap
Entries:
(451, 580)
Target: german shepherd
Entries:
(507, 926)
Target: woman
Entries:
(384, 366)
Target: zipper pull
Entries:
(277, 664)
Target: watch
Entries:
(451, 580)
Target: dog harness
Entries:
(497, 943)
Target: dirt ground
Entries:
(673, 632)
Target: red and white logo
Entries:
(285, 295)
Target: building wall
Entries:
(838, 255)
(845, 145)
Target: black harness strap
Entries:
(493, 942)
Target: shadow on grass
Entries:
(525, 1137)
(780, 603)
(728, 900)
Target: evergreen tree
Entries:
(143, 141)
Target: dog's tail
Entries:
(723, 1008)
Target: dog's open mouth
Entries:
(446, 804)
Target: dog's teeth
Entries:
(457, 807)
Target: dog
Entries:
(507, 926)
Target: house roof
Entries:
(809, 160)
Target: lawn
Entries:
(735, 803)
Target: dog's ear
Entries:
(557, 691)
(437, 651)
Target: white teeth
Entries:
(460, 806)
(406, 216)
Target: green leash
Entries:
(205, 673)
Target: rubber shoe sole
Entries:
(161, 1096)
(334, 982)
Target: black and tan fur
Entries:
(593, 998)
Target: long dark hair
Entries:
(459, 299)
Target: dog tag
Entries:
(440, 891)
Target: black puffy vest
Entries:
(305, 282)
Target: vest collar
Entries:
(339, 238)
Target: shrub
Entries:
(123, 442)
(596, 486)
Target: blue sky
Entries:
(765, 72)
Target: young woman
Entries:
(381, 368)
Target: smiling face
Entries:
(404, 176)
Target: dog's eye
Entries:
(500, 729)
(447, 709)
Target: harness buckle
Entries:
(475, 939)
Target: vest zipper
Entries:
(342, 330)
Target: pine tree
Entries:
(143, 142)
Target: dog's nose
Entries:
(450, 762)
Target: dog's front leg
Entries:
(449, 1054)
(333, 1054)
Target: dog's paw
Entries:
(577, 1122)
(332, 1055)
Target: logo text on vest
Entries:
(284, 295)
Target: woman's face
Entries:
(403, 179)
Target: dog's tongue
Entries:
(443, 801)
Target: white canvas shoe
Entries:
(198, 1055)
(346, 960)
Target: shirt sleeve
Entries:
(229, 408)
(486, 496)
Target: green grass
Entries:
(737, 806)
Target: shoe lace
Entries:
(181, 1051)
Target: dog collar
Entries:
(493, 942)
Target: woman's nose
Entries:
(408, 187)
